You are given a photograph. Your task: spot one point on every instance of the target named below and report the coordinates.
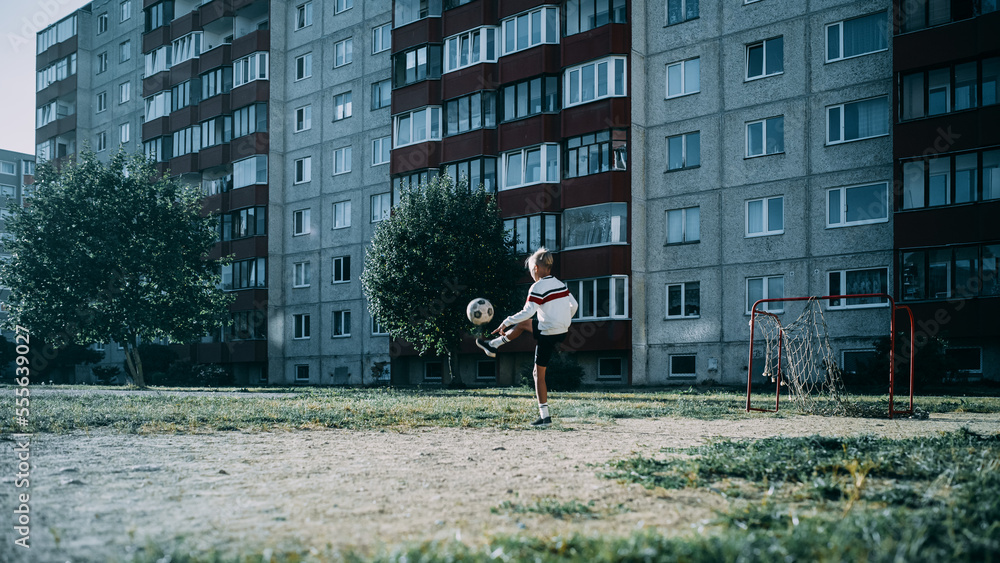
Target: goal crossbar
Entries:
(894, 308)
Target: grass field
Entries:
(804, 498)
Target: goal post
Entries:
(798, 353)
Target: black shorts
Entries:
(545, 344)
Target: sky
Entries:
(19, 21)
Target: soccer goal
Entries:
(790, 346)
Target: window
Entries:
(477, 172)
(342, 5)
(856, 37)
(381, 207)
(943, 273)
(157, 16)
(157, 60)
(303, 66)
(681, 11)
(857, 120)
(533, 231)
(929, 13)
(965, 361)
(102, 141)
(124, 133)
(157, 106)
(486, 369)
(159, 150)
(531, 28)
(243, 223)
(412, 179)
(28, 167)
(683, 78)
(187, 140)
(471, 48)
(595, 153)
(303, 118)
(418, 126)
(470, 112)
(944, 90)
(303, 15)
(380, 150)
(765, 216)
(381, 38)
(7, 168)
(683, 365)
(611, 369)
(418, 64)
(684, 151)
(948, 180)
(300, 274)
(300, 324)
(216, 82)
(126, 8)
(584, 15)
(341, 269)
(857, 361)
(683, 225)
(250, 171)
(250, 119)
(300, 222)
(245, 274)
(409, 11)
(858, 205)
(768, 287)
(247, 325)
(250, 68)
(102, 23)
(766, 136)
(433, 370)
(59, 70)
(531, 97)
(124, 92)
(765, 58)
(342, 106)
(592, 81)
(102, 63)
(341, 214)
(102, 101)
(532, 165)
(343, 52)
(601, 298)
(124, 51)
(303, 170)
(342, 160)
(301, 372)
(684, 300)
(381, 94)
(341, 323)
(184, 94)
(857, 282)
(55, 34)
(595, 225)
(186, 47)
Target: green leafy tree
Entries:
(443, 246)
(112, 251)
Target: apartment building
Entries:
(946, 158)
(17, 172)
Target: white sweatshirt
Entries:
(553, 302)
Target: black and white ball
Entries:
(479, 311)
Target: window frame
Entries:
(384, 146)
(345, 58)
(682, 375)
(486, 105)
(344, 316)
(543, 165)
(843, 206)
(379, 44)
(684, 151)
(543, 33)
(842, 108)
(764, 121)
(379, 87)
(566, 240)
(342, 160)
(125, 51)
(836, 305)
(613, 313)
(301, 219)
(684, 92)
(684, 12)
(840, 39)
(303, 116)
(429, 125)
(511, 226)
(384, 206)
(341, 6)
(763, 44)
(301, 329)
(473, 57)
(306, 67)
(765, 216)
(568, 81)
(684, 226)
(683, 304)
(345, 213)
(764, 294)
(301, 275)
(343, 105)
(302, 170)
(252, 65)
(344, 268)
(299, 371)
(303, 15)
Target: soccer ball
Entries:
(479, 311)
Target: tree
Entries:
(112, 251)
(443, 246)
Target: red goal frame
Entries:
(894, 308)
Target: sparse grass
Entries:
(263, 409)
(550, 507)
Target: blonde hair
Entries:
(542, 257)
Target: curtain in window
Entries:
(939, 11)
(866, 119)
(991, 175)
(864, 35)
(991, 80)
(913, 96)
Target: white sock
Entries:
(499, 341)
(543, 410)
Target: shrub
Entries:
(107, 375)
(562, 374)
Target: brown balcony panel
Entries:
(214, 10)
(511, 7)
(57, 51)
(156, 128)
(148, 3)
(415, 96)
(185, 24)
(250, 299)
(220, 55)
(214, 156)
(252, 42)
(184, 117)
(155, 83)
(469, 145)
(416, 157)
(467, 80)
(57, 89)
(184, 164)
(596, 188)
(947, 133)
(470, 16)
(256, 91)
(184, 71)
(945, 44)
(244, 351)
(957, 224)
(544, 128)
(974, 318)
(543, 59)
(214, 106)
(596, 116)
(249, 196)
(530, 199)
(251, 247)
(240, 4)
(614, 259)
(427, 30)
(249, 145)
(611, 39)
(156, 38)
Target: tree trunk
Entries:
(134, 363)
(454, 379)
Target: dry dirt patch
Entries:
(95, 494)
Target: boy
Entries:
(555, 306)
